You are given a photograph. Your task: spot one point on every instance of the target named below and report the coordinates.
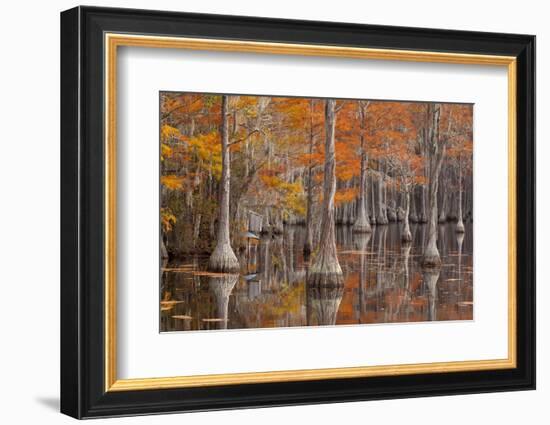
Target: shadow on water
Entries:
(383, 283)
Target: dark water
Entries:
(383, 282)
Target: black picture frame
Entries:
(83, 392)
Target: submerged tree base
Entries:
(400, 214)
(325, 280)
(381, 219)
(361, 227)
(223, 260)
(431, 261)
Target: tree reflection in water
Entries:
(221, 287)
(324, 303)
(383, 282)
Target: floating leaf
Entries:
(211, 274)
(170, 303)
(179, 269)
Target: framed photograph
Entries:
(261, 212)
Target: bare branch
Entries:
(336, 110)
(234, 142)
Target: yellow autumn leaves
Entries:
(205, 149)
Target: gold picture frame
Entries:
(114, 41)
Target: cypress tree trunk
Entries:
(413, 215)
(163, 250)
(373, 203)
(443, 212)
(422, 217)
(400, 211)
(443, 196)
(406, 231)
(223, 259)
(391, 211)
(381, 217)
(436, 151)
(308, 241)
(266, 222)
(326, 270)
(362, 224)
(460, 223)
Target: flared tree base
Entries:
(325, 280)
(400, 214)
(361, 226)
(431, 261)
(223, 260)
(277, 230)
(381, 219)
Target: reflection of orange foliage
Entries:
(289, 301)
(394, 298)
(419, 302)
(416, 281)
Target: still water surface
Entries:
(383, 283)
